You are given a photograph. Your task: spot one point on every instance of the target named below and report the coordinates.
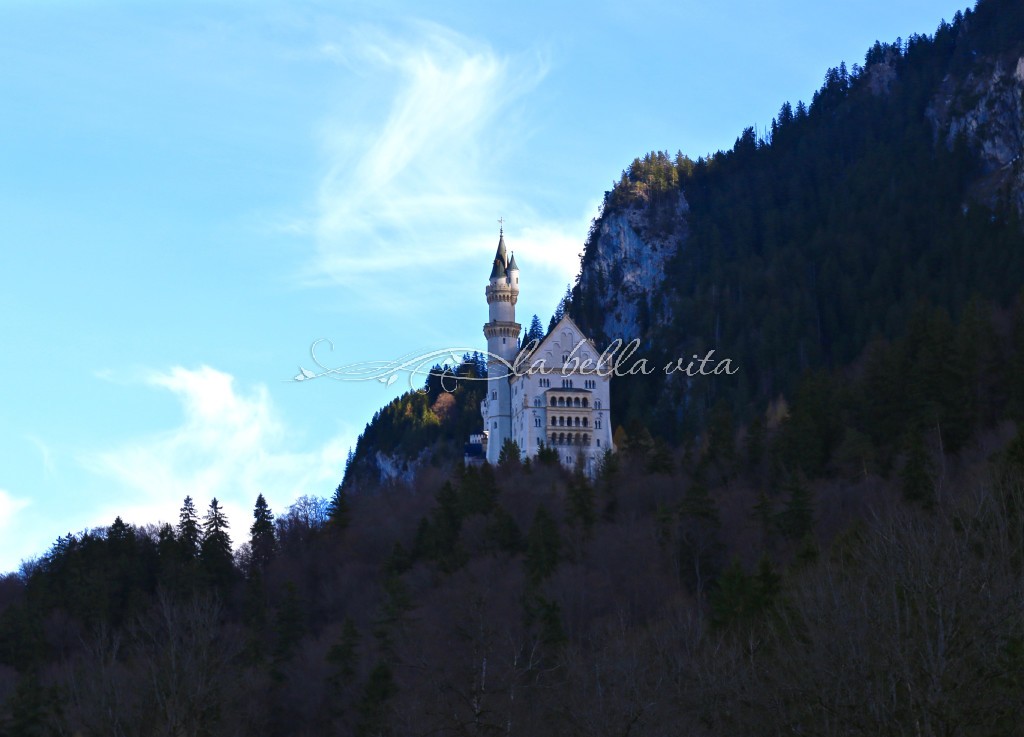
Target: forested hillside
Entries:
(898, 186)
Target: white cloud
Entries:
(415, 189)
(9, 506)
(13, 545)
(230, 445)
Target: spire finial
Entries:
(501, 226)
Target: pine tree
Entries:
(543, 547)
(916, 477)
(261, 540)
(510, 452)
(215, 548)
(338, 513)
(731, 598)
(343, 655)
(796, 520)
(535, 333)
(503, 532)
(373, 706)
(189, 535)
(581, 502)
(289, 625)
(762, 512)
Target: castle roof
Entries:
(498, 270)
(500, 254)
(512, 263)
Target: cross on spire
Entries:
(501, 226)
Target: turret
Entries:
(502, 333)
(513, 274)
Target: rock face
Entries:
(625, 266)
(987, 107)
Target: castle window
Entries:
(586, 439)
(561, 422)
(554, 438)
(577, 422)
(599, 442)
(597, 424)
(584, 422)
(561, 401)
(585, 401)
(494, 395)
(553, 402)
(576, 402)
(554, 421)
(597, 404)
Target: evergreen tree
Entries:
(215, 549)
(580, 498)
(796, 520)
(543, 547)
(373, 708)
(289, 627)
(535, 332)
(338, 513)
(510, 452)
(503, 532)
(189, 534)
(261, 540)
(916, 476)
(343, 655)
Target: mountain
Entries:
(900, 184)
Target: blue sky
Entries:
(192, 193)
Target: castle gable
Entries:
(565, 342)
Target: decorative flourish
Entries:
(610, 363)
(387, 372)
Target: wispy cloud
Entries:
(414, 190)
(9, 507)
(13, 546)
(45, 455)
(230, 444)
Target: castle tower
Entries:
(502, 333)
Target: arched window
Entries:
(577, 422)
(576, 402)
(553, 402)
(561, 422)
(554, 438)
(585, 401)
(561, 438)
(561, 401)
(586, 439)
(584, 422)
(554, 421)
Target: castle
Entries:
(556, 395)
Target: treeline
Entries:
(765, 580)
(824, 233)
(429, 425)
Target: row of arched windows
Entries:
(570, 402)
(570, 438)
(569, 422)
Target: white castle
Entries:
(556, 395)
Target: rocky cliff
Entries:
(986, 106)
